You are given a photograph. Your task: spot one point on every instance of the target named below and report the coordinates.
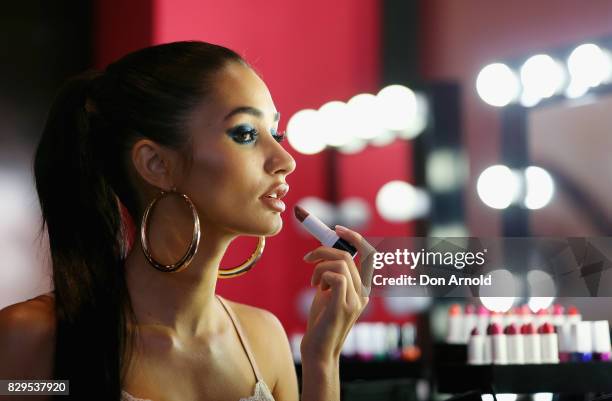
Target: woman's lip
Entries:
(274, 203)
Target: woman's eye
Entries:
(278, 136)
(244, 134)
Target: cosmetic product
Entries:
(455, 325)
(323, 233)
(542, 316)
(496, 317)
(524, 315)
(558, 315)
(364, 344)
(469, 322)
(573, 315)
(476, 347)
(379, 341)
(498, 344)
(582, 342)
(565, 341)
(410, 351)
(533, 353)
(483, 319)
(487, 355)
(550, 343)
(601, 340)
(393, 342)
(510, 317)
(516, 345)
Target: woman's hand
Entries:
(342, 294)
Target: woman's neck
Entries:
(182, 302)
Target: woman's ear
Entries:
(154, 163)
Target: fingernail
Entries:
(340, 228)
(307, 255)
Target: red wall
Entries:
(461, 37)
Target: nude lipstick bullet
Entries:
(323, 233)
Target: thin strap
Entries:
(241, 336)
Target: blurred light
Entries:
(419, 122)
(448, 230)
(383, 139)
(502, 282)
(575, 90)
(540, 187)
(399, 305)
(304, 132)
(398, 107)
(398, 201)
(497, 85)
(354, 146)
(500, 397)
(541, 286)
(365, 116)
(542, 397)
(354, 212)
(541, 77)
(498, 186)
(538, 303)
(334, 123)
(588, 66)
(445, 170)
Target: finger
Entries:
(328, 253)
(336, 266)
(338, 285)
(354, 238)
(366, 257)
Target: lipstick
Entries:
(550, 343)
(323, 233)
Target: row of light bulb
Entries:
(395, 111)
(537, 282)
(542, 76)
(499, 186)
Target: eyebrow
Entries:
(250, 110)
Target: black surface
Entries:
(376, 370)
(571, 378)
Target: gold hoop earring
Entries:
(186, 259)
(247, 264)
(193, 246)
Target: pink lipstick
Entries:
(323, 233)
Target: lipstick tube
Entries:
(455, 325)
(550, 343)
(533, 352)
(323, 233)
(469, 322)
(516, 345)
(601, 340)
(476, 348)
(498, 344)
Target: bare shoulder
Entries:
(258, 321)
(27, 338)
(271, 349)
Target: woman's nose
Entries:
(279, 160)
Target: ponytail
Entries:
(82, 169)
(82, 215)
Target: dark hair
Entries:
(81, 171)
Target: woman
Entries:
(181, 138)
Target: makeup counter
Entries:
(475, 354)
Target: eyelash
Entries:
(237, 133)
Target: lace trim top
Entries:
(261, 391)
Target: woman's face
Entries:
(237, 158)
